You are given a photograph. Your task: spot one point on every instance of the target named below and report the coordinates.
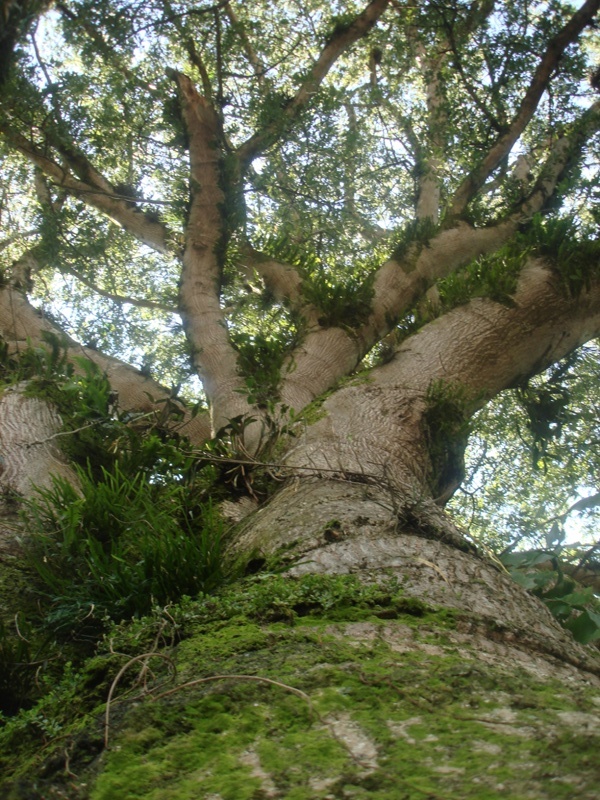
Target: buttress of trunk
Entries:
(336, 525)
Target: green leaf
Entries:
(585, 627)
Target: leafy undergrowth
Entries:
(317, 687)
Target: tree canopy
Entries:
(267, 272)
(271, 197)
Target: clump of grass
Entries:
(119, 546)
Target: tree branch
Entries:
(503, 145)
(401, 281)
(341, 40)
(490, 346)
(281, 279)
(4, 243)
(564, 153)
(255, 62)
(212, 351)
(428, 199)
(94, 190)
(21, 325)
(138, 302)
(325, 355)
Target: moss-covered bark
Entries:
(371, 694)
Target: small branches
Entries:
(541, 78)
(90, 186)
(255, 62)
(194, 55)
(339, 42)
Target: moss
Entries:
(396, 709)
(423, 714)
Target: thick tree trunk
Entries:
(464, 686)
(340, 527)
(376, 654)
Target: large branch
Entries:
(473, 353)
(503, 145)
(93, 189)
(488, 346)
(327, 354)
(205, 327)
(22, 325)
(341, 40)
(428, 197)
(565, 151)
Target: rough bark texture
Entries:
(449, 682)
(30, 455)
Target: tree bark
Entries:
(453, 683)
(456, 683)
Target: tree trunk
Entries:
(462, 686)
(376, 653)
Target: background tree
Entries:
(355, 226)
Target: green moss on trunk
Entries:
(376, 696)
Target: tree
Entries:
(360, 224)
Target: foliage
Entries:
(272, 597)
(542, 571)
(138, 529)
(492, 276)
(560, 240)
(342, 303)
(547, 410)
(119, 546)
(557, 239)
(17, 670)
(413, 235)
(557, 470)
